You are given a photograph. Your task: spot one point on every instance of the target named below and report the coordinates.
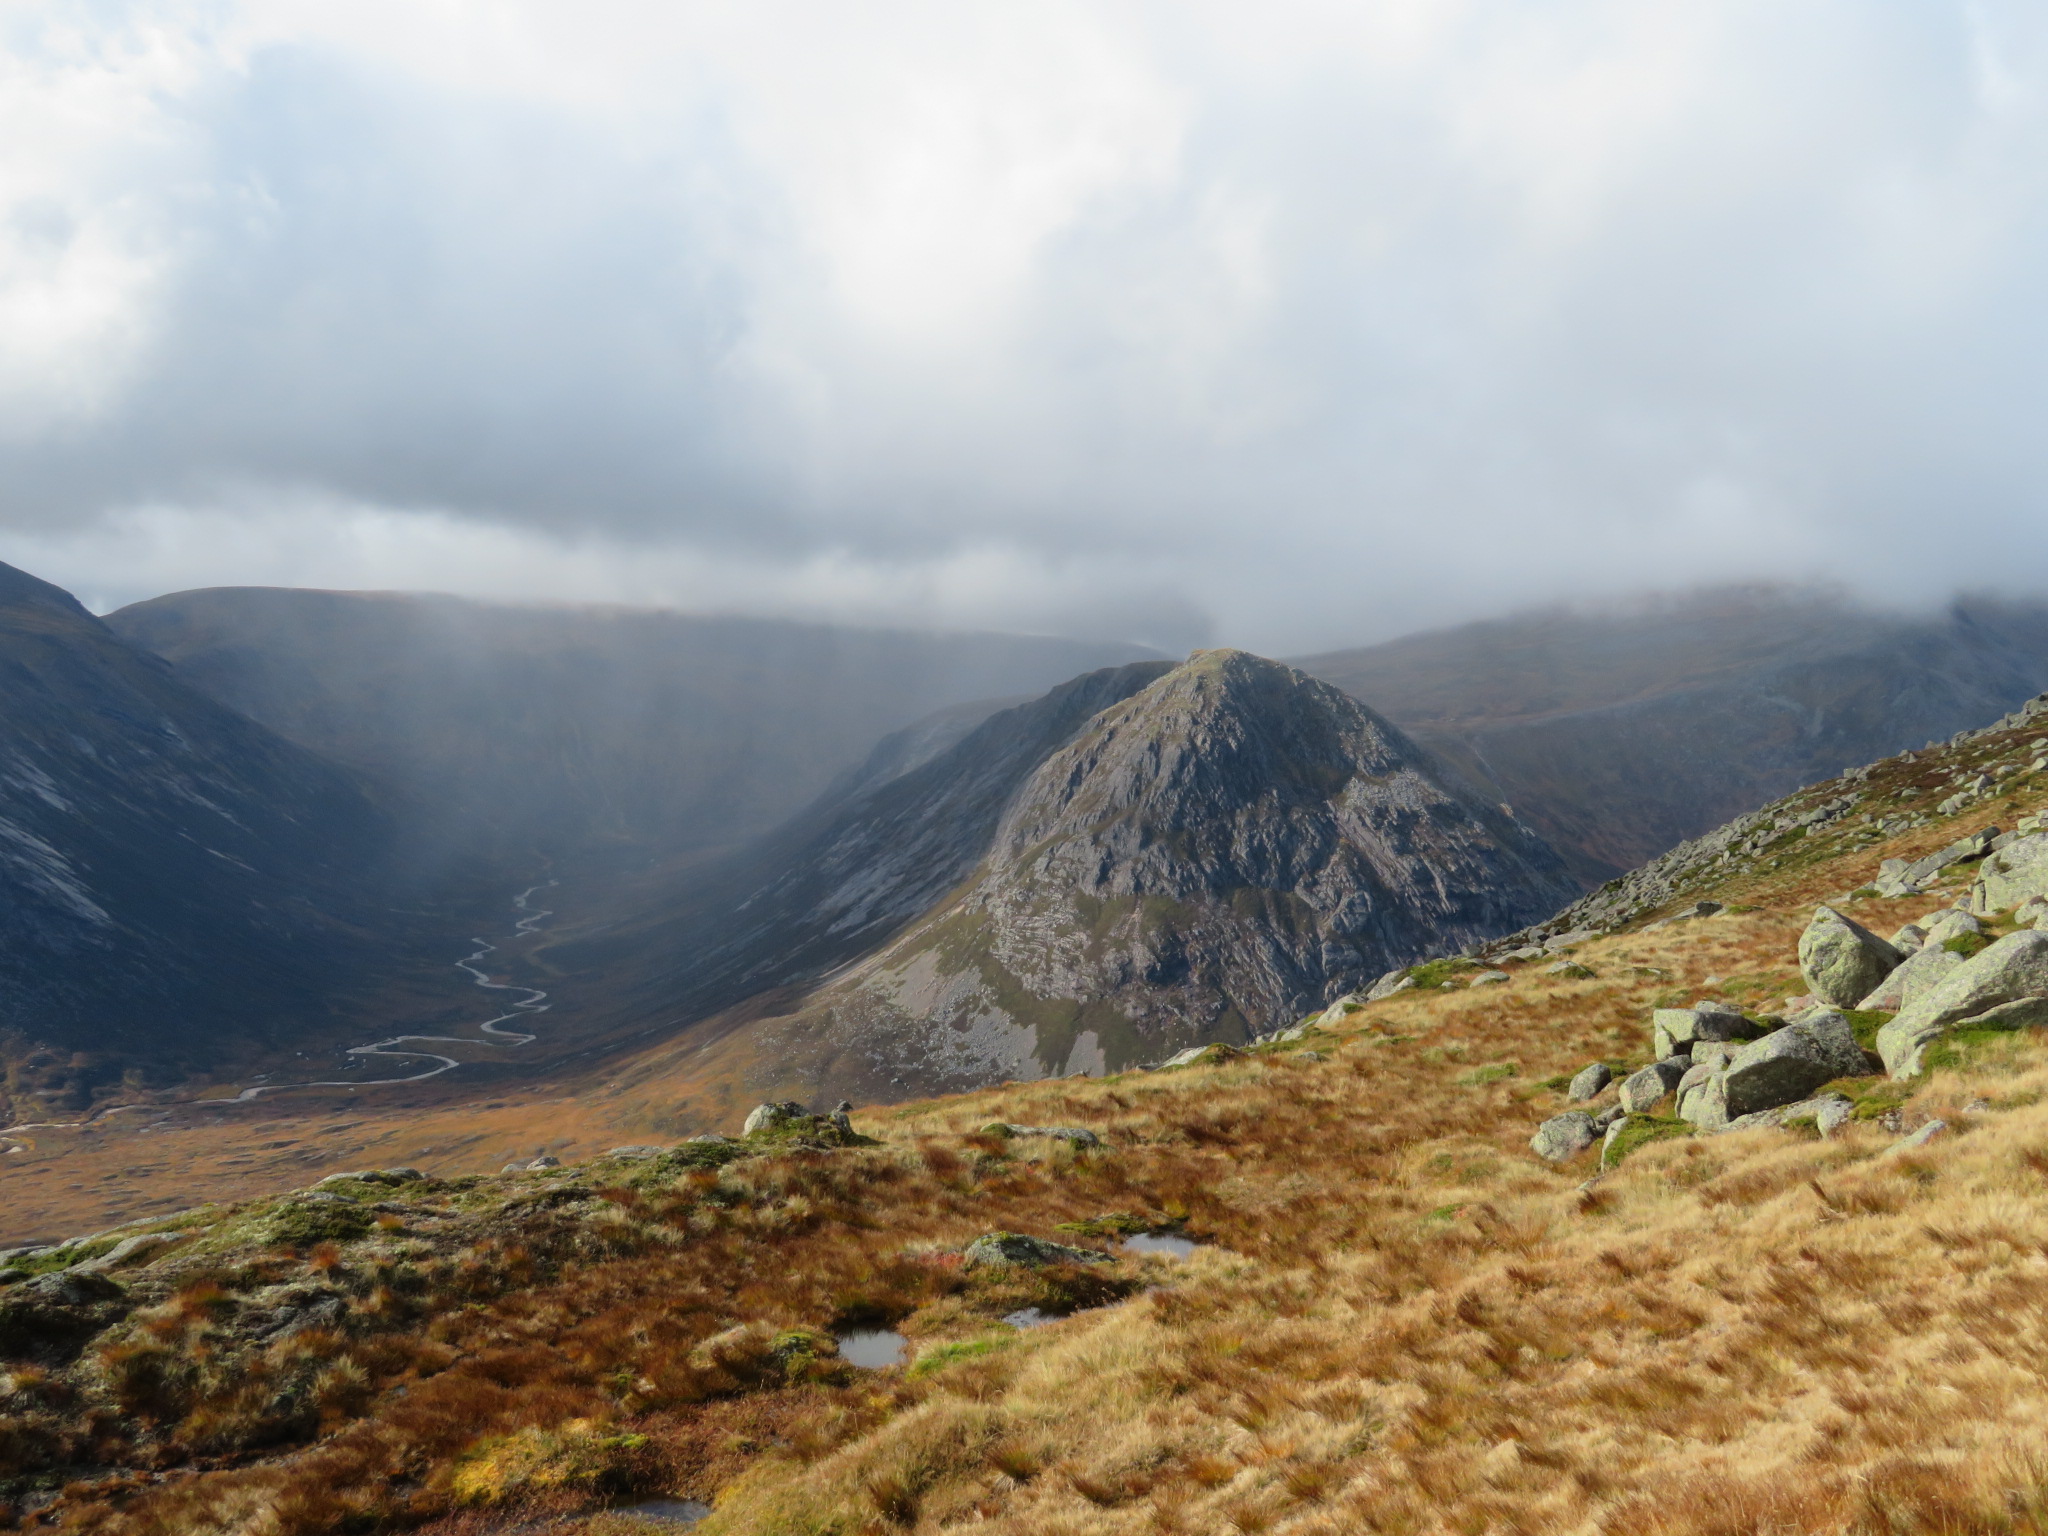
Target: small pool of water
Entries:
(873, 1349)
(1161, 1242)
(1031, 1317)
(680, 1513)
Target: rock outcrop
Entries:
(2005, 987)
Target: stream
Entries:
(535, 1002)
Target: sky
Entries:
(1286, 325)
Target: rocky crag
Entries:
(1224, 847)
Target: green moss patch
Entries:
(1639, 1131)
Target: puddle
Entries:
(1031, 1317)
(1161, 1242)
(873, 1348)
(680, 1513)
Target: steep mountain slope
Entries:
(1140, 858)
(1619, 735)
(569, 730)
(177, 884)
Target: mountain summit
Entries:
(1212, 853)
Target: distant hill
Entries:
(178, 885)
(580, 730)
(1619, 735)
(1147, 856)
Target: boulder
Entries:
(1589, 1082)
(131, 1250)
(768, 1117)
(1908, 939)
(1489, 979)
(1202, 1055)
(1922, 972)
(1674, 1030)
(1919, 1138)
(1841, 960)
(1948, 923)
(2028, 913)
(1015, 1250)
(1564, 1136)
(1336, 1013)
(1829, 1113)
(1788, 1064)
(2013, 969)
(1079, 1136)
(1389, 984)
(1897, 877)
(1568, 940)
(1643, 1091)
(2013, 874)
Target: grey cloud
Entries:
(1324, 335)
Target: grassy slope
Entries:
(1403, 1323)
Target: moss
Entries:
(1967, 944)
(576, 1456)
(939, 1356)
(1873, 1099)
(1115, 1224)
(309, 1223)
(1434, 973)
(1865, 1023)
(1639, 1131)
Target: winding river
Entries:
(533, 1003)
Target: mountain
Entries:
(1146, 856)
(579, 731)
(178, 885)
(1620, 734)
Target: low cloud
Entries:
(1168, 323)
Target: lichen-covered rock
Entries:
(1922, 972)
(1202, 1056)
(1389, 984)
(1788, 1064)
(1674, 1031)
(768, 1117)
(2013, 969)
(1571, 970)
(1079, 1136)
(1908, 940)
(1828, 1113)
(2013, 874)
(1643, 1091)
(1490, 979)
(1015, 1249)
(1564, 1136)
(1841, 960)
(1589, 1082)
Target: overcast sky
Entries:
(1286, 324)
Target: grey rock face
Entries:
(1016, 1250)
(1908, 939)
(2016, 873)
(1643, 1091)
(1564, 1136)
(1841, 960)
(1896, 877)
(1589, 1082)
(1788, 1064)
(766, 1117)
(1389, 984)
(1921, 974)
(1233, 841)
(1674, 1031)
(2014, 968)
(1919, 1138)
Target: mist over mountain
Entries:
(179, 886)
(580, 731)
(1620, 733)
